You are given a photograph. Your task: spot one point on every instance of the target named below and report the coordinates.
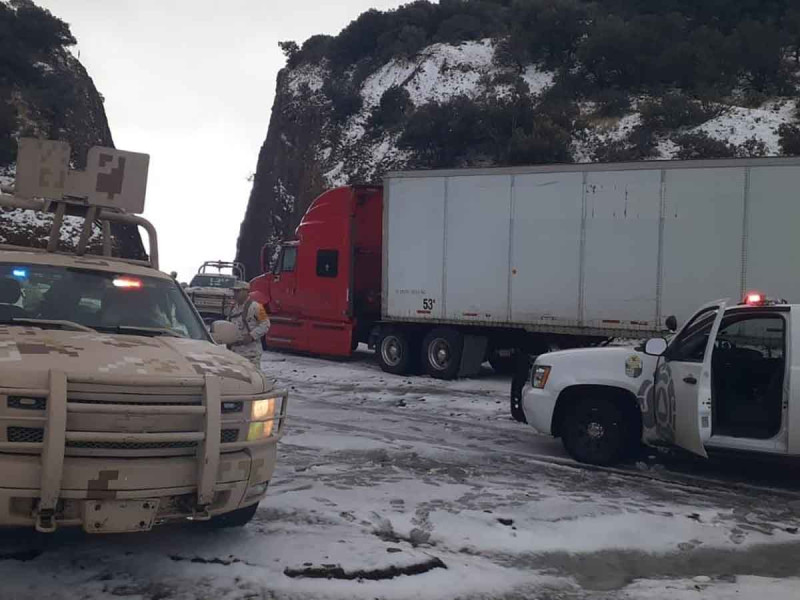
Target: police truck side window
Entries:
(327, 263)
(691, 345)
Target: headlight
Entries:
(263, 409)
(539, 376)
(259, 411)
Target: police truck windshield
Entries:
(214, 281)
(41, 295)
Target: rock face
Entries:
(509, 89)
(46, 92)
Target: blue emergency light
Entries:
(20, 273)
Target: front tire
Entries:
(394, 352)
(441, 353)
(594, 430)
(236, 518)
(522, 372)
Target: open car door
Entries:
(693, 403)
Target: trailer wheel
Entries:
(441, 353)
(595, 431)
(394, 352)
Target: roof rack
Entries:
(236, 268)
(90, 214)
(110, 190)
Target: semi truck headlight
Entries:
(259, 411)
(539, 376)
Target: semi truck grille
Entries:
(35, 435)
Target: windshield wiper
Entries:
(56, 323)
(134, 330)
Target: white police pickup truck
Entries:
(726, 380)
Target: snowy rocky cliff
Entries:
(46, 92)
(481, 102)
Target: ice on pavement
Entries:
(381, 475)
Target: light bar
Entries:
(753, 298)
(20, 273)
(127, 283)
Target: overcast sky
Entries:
(191, 83)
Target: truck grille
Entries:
(25, 435)
(35, 435)
(24, 403)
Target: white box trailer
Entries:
(529, 257)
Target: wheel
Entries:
(522, 372)
(595, 431)
(394, 352)
(236, 518)
(441, 353)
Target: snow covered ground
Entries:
(413, 488)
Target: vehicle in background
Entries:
(441, 270)
(723, 382)
(118, 410)
(211, 292)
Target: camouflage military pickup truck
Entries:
(117, 409)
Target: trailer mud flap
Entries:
(473, 355)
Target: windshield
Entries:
(105, 302)
(215, 281)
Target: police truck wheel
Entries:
(236, 518)
(522, 371)
(394, 352)
(595, 431)
(441, 353)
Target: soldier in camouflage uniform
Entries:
(251, 319)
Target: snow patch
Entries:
(737, 124)
(708, 589)
(310, 76)
(538, 80)
(440, 73)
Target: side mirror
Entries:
(655, 346)
(224, 333)
(672, 323)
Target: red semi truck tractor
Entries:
(442, 270)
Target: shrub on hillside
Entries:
(612, 103)
(637, 145)
(8, 125)
(789, 139)
(674, 111)
(443, 135)
(695, 146)
(393, 107)
(752, 148)
(545, 142)
(345, 101)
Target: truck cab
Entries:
(323, 290)
(118, 410)
(723, 381)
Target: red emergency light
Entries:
(127, 283)
(754, 298)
